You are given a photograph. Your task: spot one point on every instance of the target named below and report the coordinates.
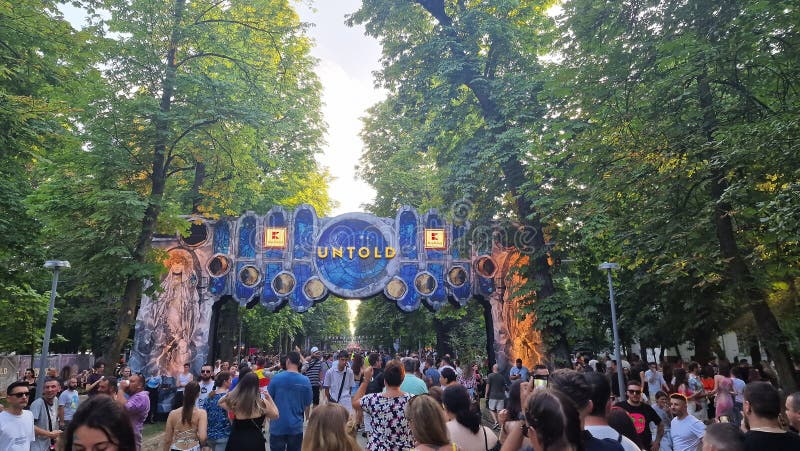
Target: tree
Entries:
(211, 108)
(465, 75)
(670, 95)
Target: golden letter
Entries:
(363, 252)
(322, 252)
(378, 253)
(337, 252)
(390, 252)
(350, 249)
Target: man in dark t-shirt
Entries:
(495, 393)
(642, 415)
(761, 408)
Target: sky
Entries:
(346, 60)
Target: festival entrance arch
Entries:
(296, 259)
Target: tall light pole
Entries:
(56, 266)
(620, 378)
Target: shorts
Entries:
(496, 405)
(315, 394)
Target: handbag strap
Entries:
(485, 439)
(341, 387)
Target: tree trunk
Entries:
(489, 329)
(199, 179)
(702, 345)
(512, 170)
(738, 272)
(158, 180)
(442, 337)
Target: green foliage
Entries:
(23, 312)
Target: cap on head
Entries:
(314, 350)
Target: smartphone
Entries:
(724, 419)
(539, 383)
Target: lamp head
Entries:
(56, 264)
(607, 265)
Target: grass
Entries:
(151, 430)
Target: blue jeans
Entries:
(285, 442)
(217, 444)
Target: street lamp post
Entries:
(56, 266)
(620, 378)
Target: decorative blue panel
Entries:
(269, 298)
(462, 294)
(408, 234)
(458, 242)
(439, 296)
(243, 293)
(247, 237)
(222, 237)
(299, 302)
(216, 285)
(412, 299)
(304, 231)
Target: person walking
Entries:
(464, 421)
(187, 426)
(642, 415)
(723, 392)
(68, 402)
(45, 416)
(16, 423)
(181, 379)
(337, 382)
(292, 394)
(428, 424)
(219, 426)
(206, 384)
(495, 394)
(686, 430)
(327, 430)
(137, 404)
(389, 428)
(250, 412)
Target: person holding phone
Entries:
(540, 376)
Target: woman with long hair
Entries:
(552, 423)
(511, 417)
(723, 391)
(99, 423)
(428, 424)
(464, 421)
(187, 425)
(250, 411)
(219, 427)
(356, 365)
(328, 430)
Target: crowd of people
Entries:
(324, 401)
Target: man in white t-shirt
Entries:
(337, 383)
(206, 384)
(686, 430)
(16, 424)
(655, 382)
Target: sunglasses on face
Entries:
(635, 392)
(205, 371)
(20, 394)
